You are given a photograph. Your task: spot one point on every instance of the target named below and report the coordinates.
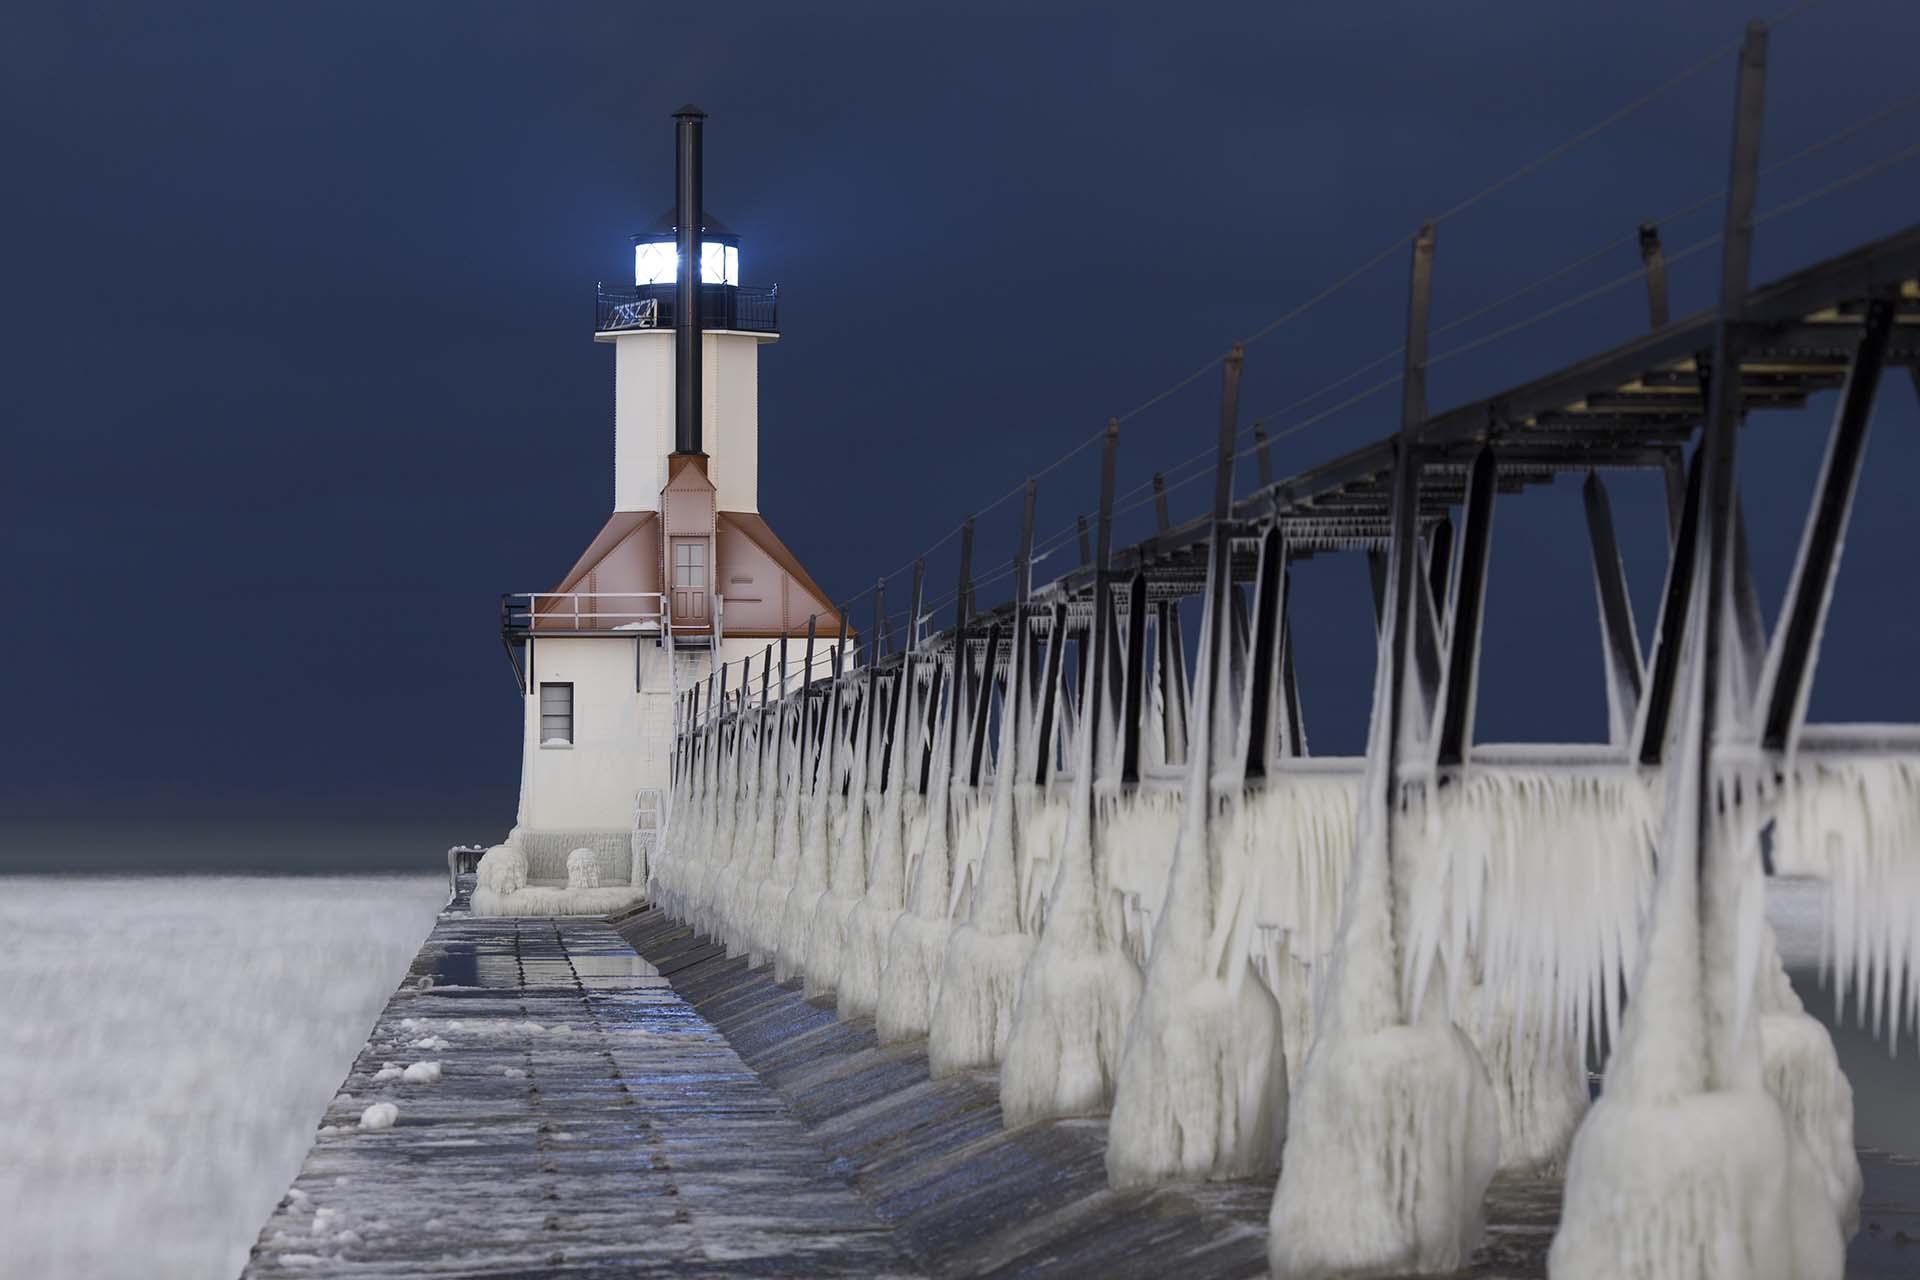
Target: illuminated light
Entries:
(658, 262)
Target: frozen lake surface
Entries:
(167, 1046)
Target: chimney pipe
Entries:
(689, 182)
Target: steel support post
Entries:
(1105, 647)
(1267, 624)
(1170, 647)
(1401, 567)
(1134, 691)
(1221, 547)
(1669, 637)
(1655, 261)
(1796, 643)
(983, 707)
(1439, 566)
(1719, 440)
(1619, 643)
(1049, 695)
(1462, 677)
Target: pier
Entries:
(1026, 932)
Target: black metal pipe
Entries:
(689, 183)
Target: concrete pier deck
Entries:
(587, 1122)
(622, 1099)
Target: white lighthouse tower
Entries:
(684, 577)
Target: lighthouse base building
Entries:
(685, 578)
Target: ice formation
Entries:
(810, 877)
(1687, 1165)
(1079, 989)
(421, 1073)
(871, 921)
(1202, 1086)
(1802, 1072)
(826, 936)
(918, 942)
(502, 870)
(1855, 822)
(770, 897)
(583, 869)
(1527, 891)
(980, 972)
(381, 1115)
(1394, 1131)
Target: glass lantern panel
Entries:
(659, 263)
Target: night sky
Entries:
(299, 373)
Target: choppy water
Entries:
(167, 1046)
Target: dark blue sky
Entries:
(299, 370)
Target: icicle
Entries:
(1855, 822)
(1529, 889)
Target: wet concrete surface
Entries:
(588, 1122)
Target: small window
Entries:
(689, 563)
(556, 713)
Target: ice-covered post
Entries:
(1394, 1132)
(1079, 989)
(919, 938)
(810, 881)
(871, 922)
(846, 871)
(980, 972)
(1687, 1165)
(1201, 1090)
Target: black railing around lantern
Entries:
(650, 306)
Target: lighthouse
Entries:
(684, 578)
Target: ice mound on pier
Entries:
(502, 887)
(502, 870)
(583, 869)
(1395, 1131)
